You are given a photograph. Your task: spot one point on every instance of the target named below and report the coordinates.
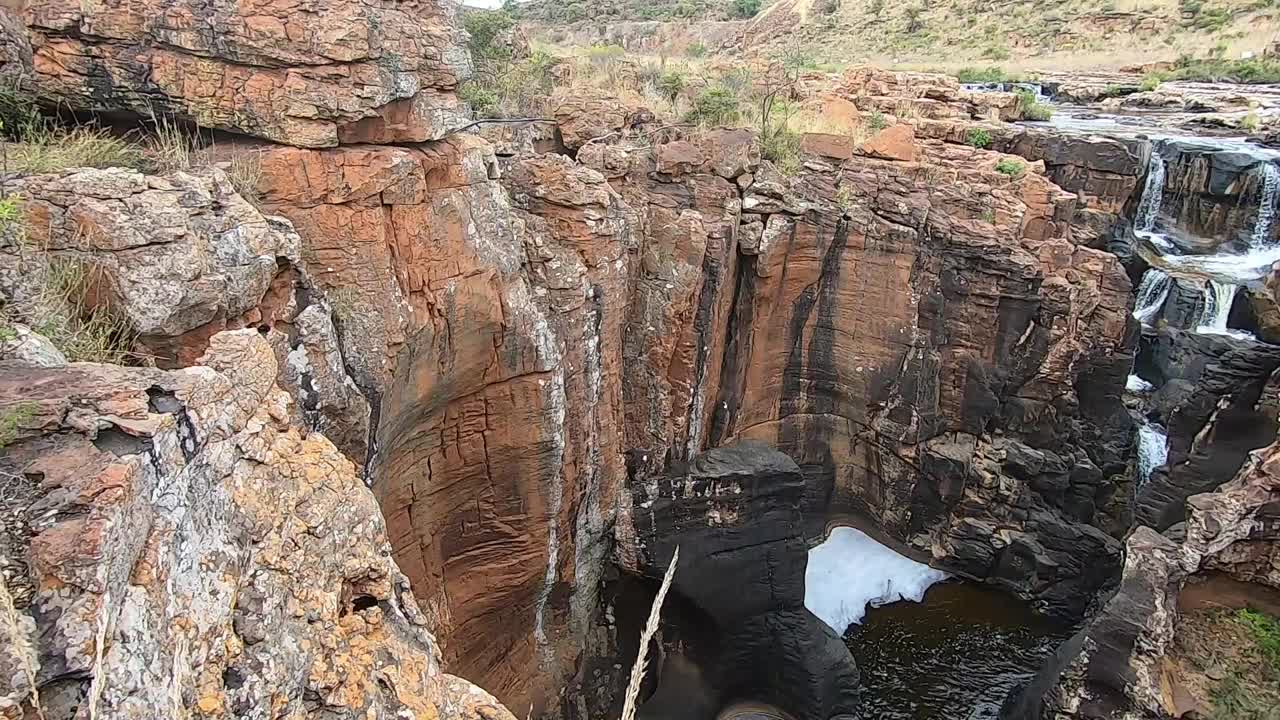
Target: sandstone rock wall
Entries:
(312, 74)
(192, 552)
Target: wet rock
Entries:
(177, 512)
(316, 76)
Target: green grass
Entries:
(1012, 168)
(1266, 634)
(782, 148)
(977, 137)
(877, 121)
(716, 105)
(12, 419)
(993, 74)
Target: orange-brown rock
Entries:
(893, 143)
(312, 74)
(190, 552)
(835, 147)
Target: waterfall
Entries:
(1153, 450)
(1218, 297)
(1152, 195)
(850, 571)
(1137, 385)
(1266, 206)
(1152, 292)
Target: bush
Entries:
(670, 84)
(782, 148)
(696, 50)
(745, 8)
(714, 106)
(996, 52)
(1266, 634)
(1011, 167)
(1257, 70)
(485, 27)
(877, 121)
(991, 74)
(510, 89)
(1032, 109)
(1151, 81)
(977, 137)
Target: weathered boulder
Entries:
(20, 343)
(177, 257)
(313, 74)
(190, 551)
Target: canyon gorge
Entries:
(418, 408)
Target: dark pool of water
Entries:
(955, 656)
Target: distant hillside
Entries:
(1063, 33)
(552, 12)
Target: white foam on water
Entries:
(1266, 205)
(850, 571)
(1152, 292)
(1252, 265)
(1153, 450)
(1136, 384)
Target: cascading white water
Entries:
(1137, 385)
(1266, 206)
(1218, 297)
(1152, 195)
(1152, 292)
(850, 571)
(1153, 450)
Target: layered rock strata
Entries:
(313, 74)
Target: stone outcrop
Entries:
(191, 552)
(1117, 666)
(178, 257)
(314, 74)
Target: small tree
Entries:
(745, 8)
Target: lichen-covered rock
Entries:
(312, 74)
(19, 342)
(177, 257)
(192, 553)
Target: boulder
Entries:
(893, 143)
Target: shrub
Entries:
(485, 27)
(696, 50)
(1032, 109)
(10, 211)
(782, 148)
(877, 121)
(1151, 81)
(1256, 70)
(1251, 122)
(1011, 167)
(670, 84)
(245, 175)
(745, 8)
(991, 74)
(715, 105)
(977, 137)
(996, 52)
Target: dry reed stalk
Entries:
(21, 646)
(650, 627)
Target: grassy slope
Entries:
(1063, 34)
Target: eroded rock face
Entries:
(313, 74)
(1116, 666)
(192, 552)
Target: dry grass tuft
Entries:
(48, 150)
(245, 174)
(61, 313)
(170, 147)
(646, 636)
(17, 630)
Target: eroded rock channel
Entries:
(426, 406)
